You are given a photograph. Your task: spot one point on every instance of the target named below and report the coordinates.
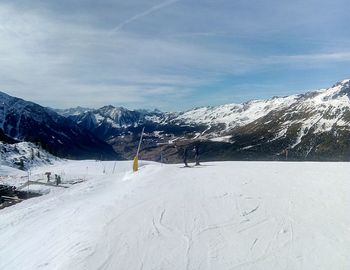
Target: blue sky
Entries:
(173, 54)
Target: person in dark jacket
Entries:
(196, 153)
(186, 156)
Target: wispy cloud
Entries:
(197, 53)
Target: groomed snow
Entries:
(229, 215)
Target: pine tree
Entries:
(32, 154)
(21, 164)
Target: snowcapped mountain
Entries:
(315, 125)
(230, 116)
(325, 108)
(311, 126)
(72, 111)
(107, 121)
(26, 121)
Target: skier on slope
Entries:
(185, 156)
(196, 153)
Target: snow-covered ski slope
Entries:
(229, 215)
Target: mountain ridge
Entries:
(22, 120)
(311, 126)
(256, 129)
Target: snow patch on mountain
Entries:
(233, 115)
(115, 117)
(24, 155)
(72, 111)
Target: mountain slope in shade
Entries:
(6, 139)
(26, 121)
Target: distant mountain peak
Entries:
(72, 111)
(342, 83)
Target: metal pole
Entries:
(115, 163)
(28, 184)
(138, 148)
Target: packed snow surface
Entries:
(229, 215)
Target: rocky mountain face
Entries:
(21, 120)
(310, 126)
(121, 128)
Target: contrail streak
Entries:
(143, 14)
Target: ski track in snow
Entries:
(229, 215)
